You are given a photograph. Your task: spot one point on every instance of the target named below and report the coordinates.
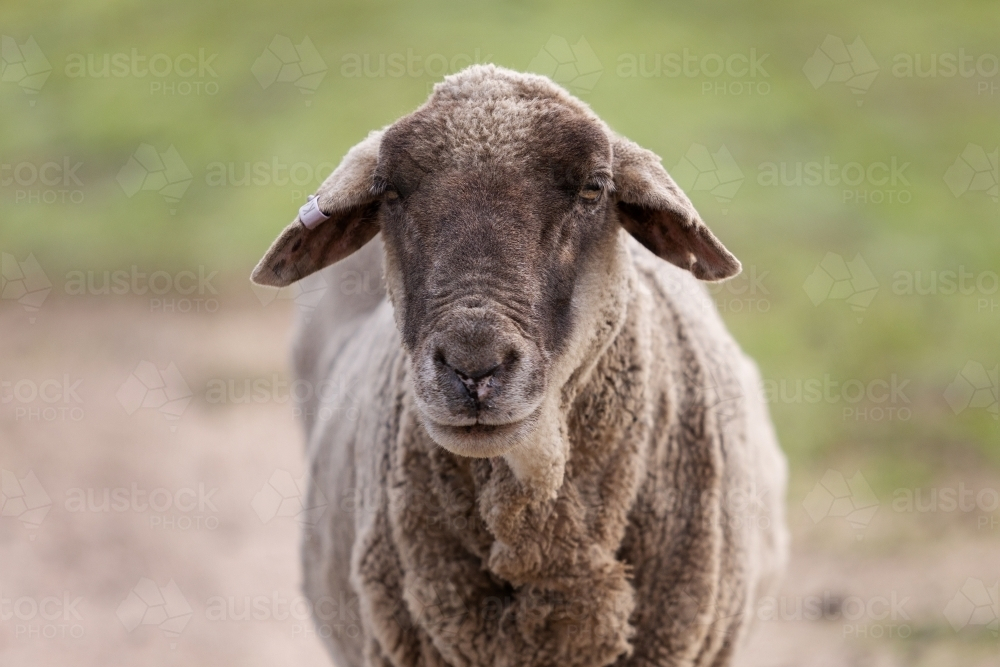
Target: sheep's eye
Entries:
(391, 195)
(591, 192)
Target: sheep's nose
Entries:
(477, 384)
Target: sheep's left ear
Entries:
(654, 210)
(340, 219)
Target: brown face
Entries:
(489, 241)
(501, 203)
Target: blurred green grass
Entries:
(781, 233)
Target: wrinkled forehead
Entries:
(512, 133)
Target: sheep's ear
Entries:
(654, 210)
(339, 220)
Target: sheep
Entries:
(560, 456)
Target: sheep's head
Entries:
(498, 200)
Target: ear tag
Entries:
(310, 215)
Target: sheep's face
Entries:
(490, 216)
(501, 203)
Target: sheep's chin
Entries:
(481, 440)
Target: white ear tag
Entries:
(310, 215)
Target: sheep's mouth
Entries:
(479, 439)
(478, 428)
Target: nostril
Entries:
(466, 371)
(477, 376)
(478, 385)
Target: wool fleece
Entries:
(635, 516)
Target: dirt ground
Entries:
(203, 509)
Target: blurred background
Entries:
(149, 152)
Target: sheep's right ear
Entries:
(338, 221)
(653, 209)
